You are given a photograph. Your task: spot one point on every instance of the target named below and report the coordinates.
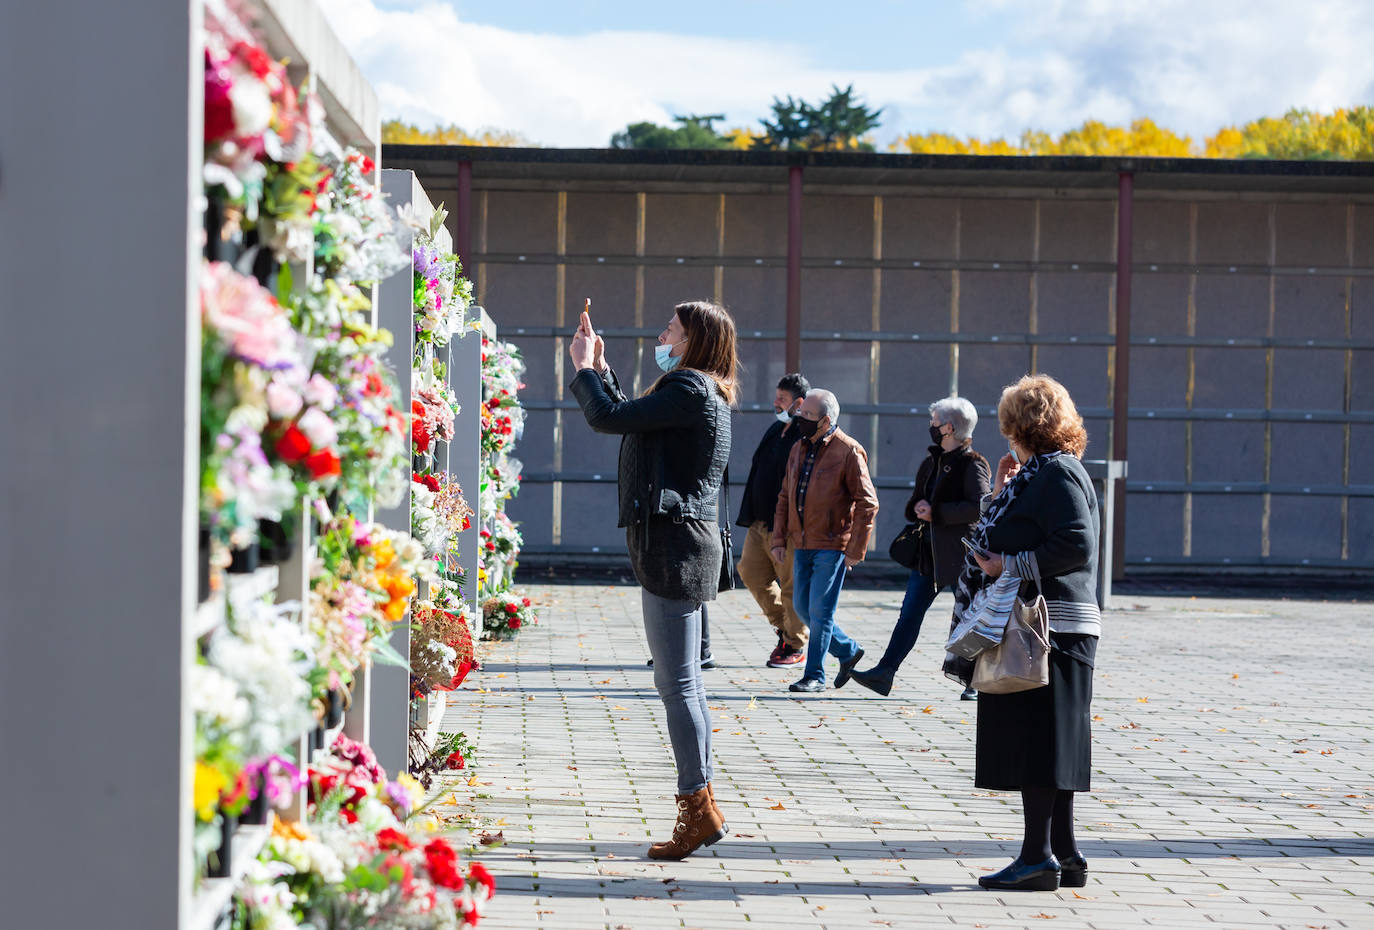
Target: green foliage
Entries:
(839, 123)
(692, 132)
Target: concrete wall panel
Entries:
(601, 223)
(1074, 303)
(1226, 527)
(612, 290)
(1156, 527)
(1232, 232)
(1228, 452)
(1309, 379)
(756, 225)
(914, 374)
(837, 299)
(1159, 232)
(1158, 451)
(519, 294)
(756, 296)
(837, 226)
(919, 228)
(997, 230)
(1304, 528)
(1159, 377)
(1159, 304)
(1077, 230)
(1309, 307)
(994, 302)
(1231, 379)
(1307, 453)
(1310, 234)
(1231, 305)
(915, 301)
(521, 221)
(681, 225)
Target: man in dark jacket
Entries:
(770, 580)
(825, 515)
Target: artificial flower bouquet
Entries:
(361, 586)
(370, 856)
(253, 115)
(355, 236)
(441, 652)
(504, 615)
(442, 294)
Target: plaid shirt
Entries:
(813, 445)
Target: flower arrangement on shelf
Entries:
(442, 294)
(504, 615)
(361, 586)
(253, 114)
(432, 412)
(440, 647)
(502, 425)
(354, 236)
(370, 857)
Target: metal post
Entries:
(1121, 389)
(463, 244)
(794, 249)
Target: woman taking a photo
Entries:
(1042, 524)
(950, 486)
(673, 451)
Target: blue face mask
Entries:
(666, 361)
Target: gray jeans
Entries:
(673, 629)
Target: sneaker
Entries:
(776, 653)
(786, 655)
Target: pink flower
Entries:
(315, 423)
(320, 392)
(283, 402)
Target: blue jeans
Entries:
(817, 577)
(673, 629)
(920, 593)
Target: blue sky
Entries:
(571, 74)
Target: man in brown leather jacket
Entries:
(825, 512)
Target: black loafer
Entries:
(807, 686)
(847, 669)
(1041, 876)
(969, 695)
(708, 661)
(876, 679)
(1073, 871)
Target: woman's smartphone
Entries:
(968, 544)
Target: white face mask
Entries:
(783, 416)
(664, 358)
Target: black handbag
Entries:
(906, 548)
(727, 555)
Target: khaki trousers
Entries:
(771, 584)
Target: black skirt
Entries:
(1041, 738)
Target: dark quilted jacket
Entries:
(674, 447)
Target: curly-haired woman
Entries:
(1042, 522)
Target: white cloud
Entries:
(1193, 66)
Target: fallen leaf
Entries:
(1327, 752)
(777, 807)
(928, 709)
(1084, 897)
(1043, 916)
(1097, 717)
(606, 681)
(1235, 676)
(1142, 700)
(472, 780)
(491, 839)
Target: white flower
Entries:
(318, 428)
(252, 104)
(283, 402)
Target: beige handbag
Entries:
(1022, 660)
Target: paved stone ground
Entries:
(1233, 776)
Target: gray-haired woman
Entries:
(950, 486)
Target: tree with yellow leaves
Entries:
(396, 132)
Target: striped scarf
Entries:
(971, 578)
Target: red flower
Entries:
(322, 464)
(525, 601)
(478, 871)
(431, 482)
(442, 863)
(390, 838)
(455, 760)
(369, 165)
(513, 623)
(467, 523)
(293, 445)
(512, 609)
(491, 547)
(254, 57)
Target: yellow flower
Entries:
(209, 782)
(412, 787)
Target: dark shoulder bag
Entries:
(906, 548)
(727, 555)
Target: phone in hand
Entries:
(976, 550)
(587, 318)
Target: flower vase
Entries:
(203, 565)
(275, 543)
(221, 860)
(334, 714)
(255, 814)
(245, 561)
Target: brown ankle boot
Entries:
(711, 793)
(698, 823)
